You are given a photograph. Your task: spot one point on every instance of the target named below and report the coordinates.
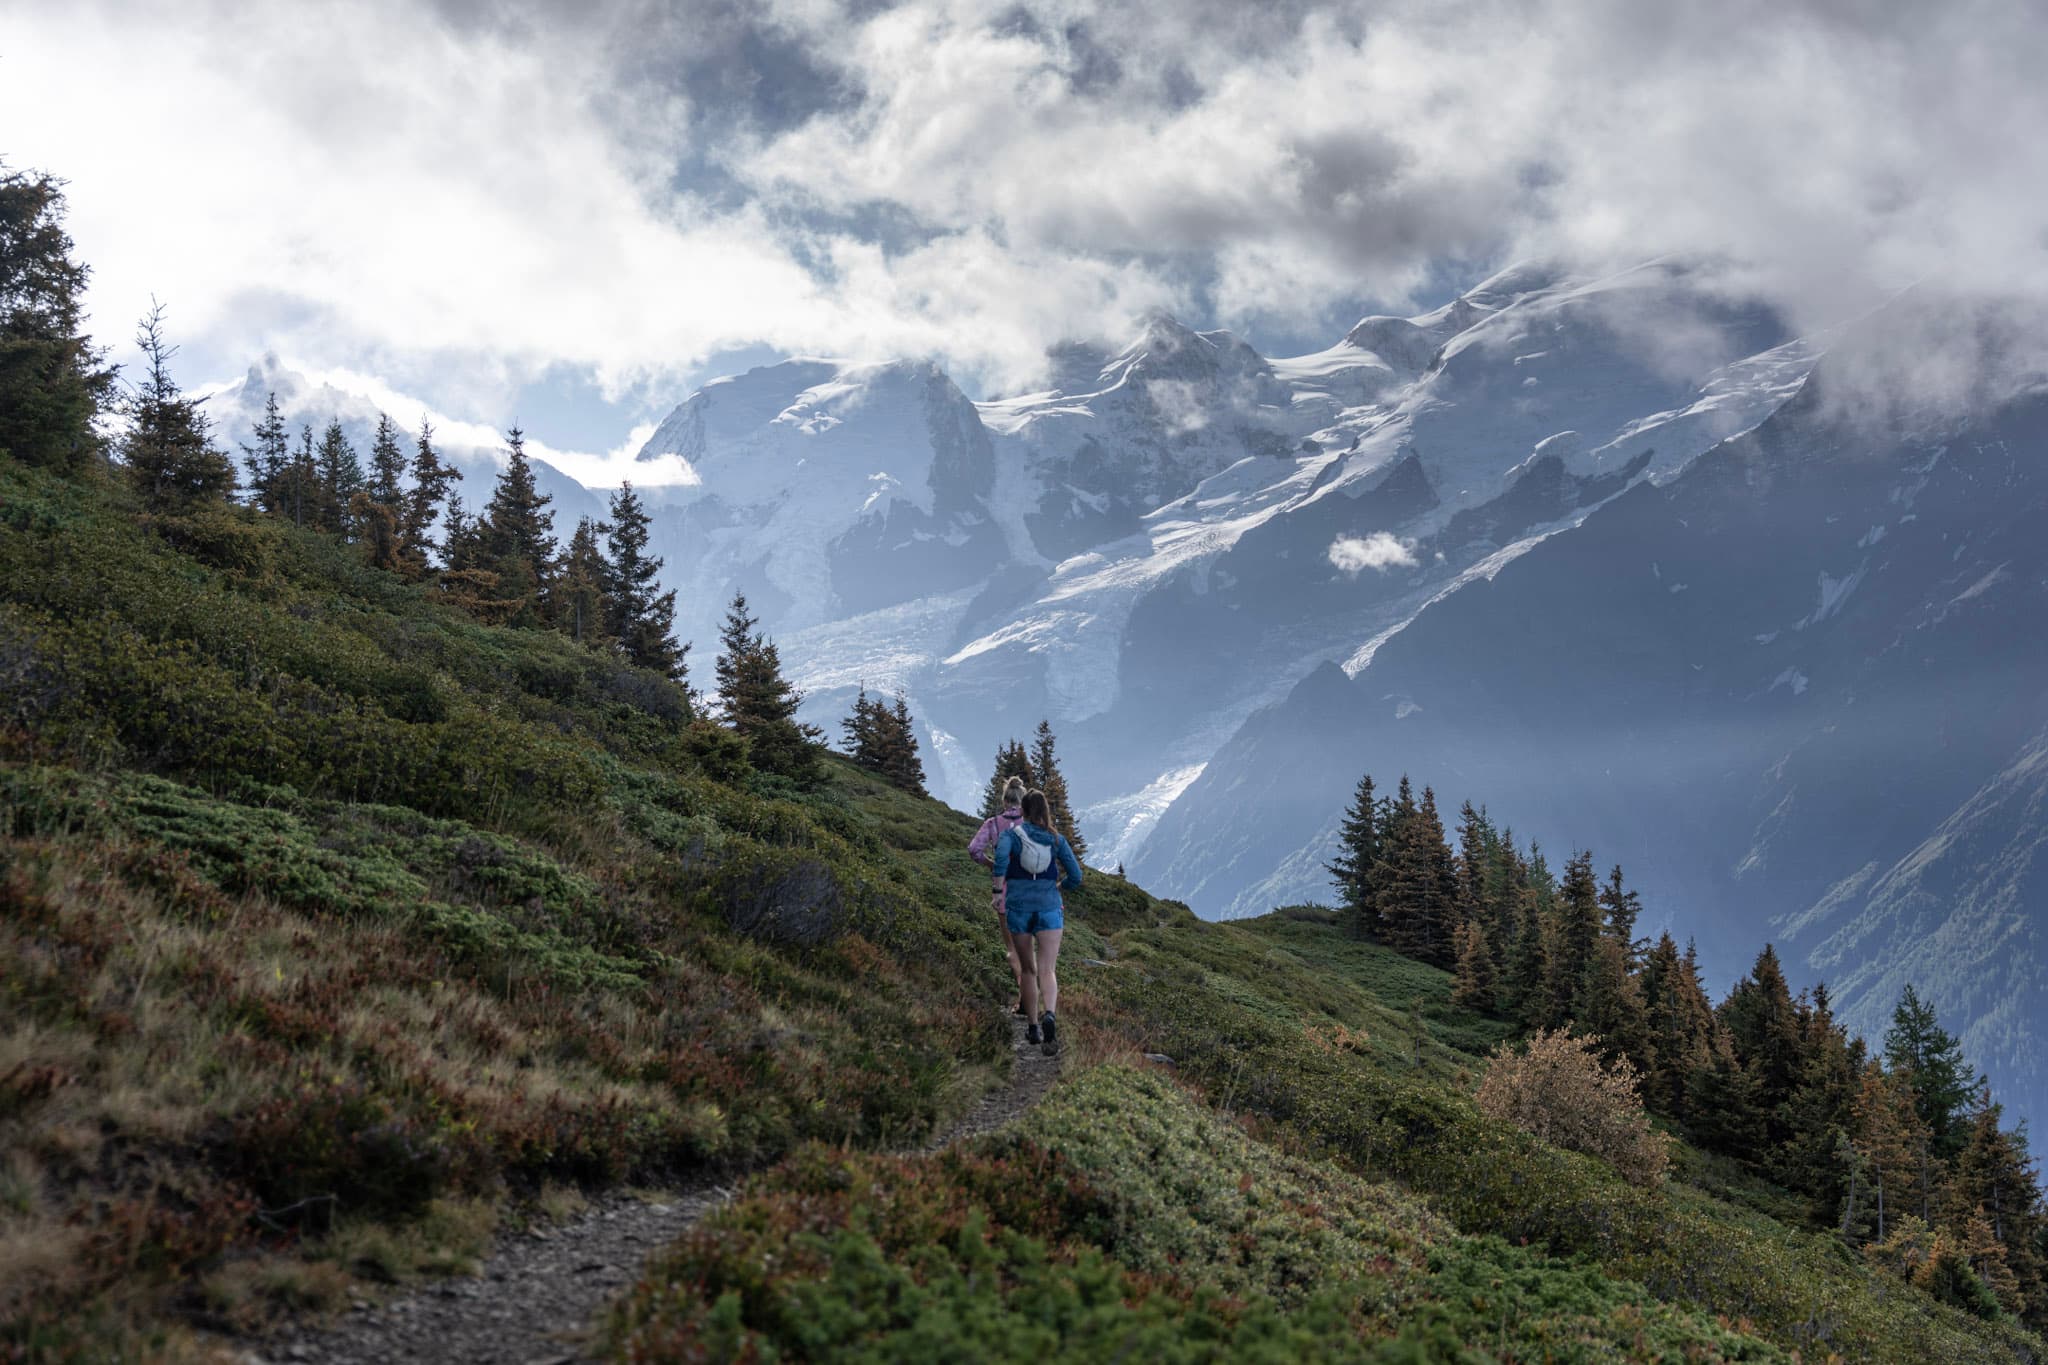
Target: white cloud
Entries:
(480, 192)
(1381, 550)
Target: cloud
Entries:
(1381, 550)
(477, 192)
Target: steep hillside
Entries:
(341, 933)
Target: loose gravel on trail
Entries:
(542, 1292)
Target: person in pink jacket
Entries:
(981, 848)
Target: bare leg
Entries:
(1048, 979)
(1027, 979)
(1016, 968)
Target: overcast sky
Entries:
(567, 212)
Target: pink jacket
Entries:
(981, 847)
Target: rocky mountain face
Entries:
(1798, 689)
(1174, 533)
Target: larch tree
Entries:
(580, 592)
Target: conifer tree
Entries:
(1355, 869)
(900, 761)
(581, 593)
(432, 479)
(1997, 1178)
(387, 466)
(268, 460)
(1820, 1107)
(861, 731)
(299, 495)
(1012, 760)
(1610, 1006)
(1475, 987)
(1721, 1101)
(1475, 853)
(1764, 1028)
(53, 380)
(1942, 1080)
(642, 617)
(1681, 1026)
(1529, 971)
(168, 447)
(1622, 905)
(1578, 930)
(760, 704)
(340, 476)
(1045, 763)
(1418, 886)
(516, 534)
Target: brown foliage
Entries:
(1559, 1090)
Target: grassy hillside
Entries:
(339, 932)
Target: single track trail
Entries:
(542, 1292)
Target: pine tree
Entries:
(168, 447)
(53, 380)
(1681, 1026)
(1610, 1006)
(1721, 1102)
(1012, 760)
(268, 460)
(431, 481)
(340, 475)
(1577, 932)
(1418, 885)
(1764, 1028)
(1529, 971)
(643, 618)
(1820, 1108)
(387, 466)
(1475, 852)
(299, 488)
(1045, 763)
(1475, 987)
(581, 593)
(760, 704)
(861, 731)
(516, 532)
(1622, 906)
(900, 762)
(1942, 1080)
(1996, 1177)
(1355, 869)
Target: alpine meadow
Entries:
(1493, 811)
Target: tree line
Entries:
(1902, 1151)
(64, 408)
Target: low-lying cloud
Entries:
(1381, 550)
(479, 192)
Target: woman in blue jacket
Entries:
(1031, 861)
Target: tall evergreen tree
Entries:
(1475, 854)
(1577, 932)
(585, 608)
(1623, 906)
(1681, 1026)
(1942, 1080)
(861, 731)
(1996, 1177)
(268, 460)
(299, 488)
(900, 761)
(1763, 1026)
(386, 484)
(1012, 760)
(53, 380)
(643, 617)
(1045, 763)
(432, 479)
(1610, 1006)
(1475, 987)
(1418, 885)
(517, 536)
(1355, 869)
(168, 447)
(340, 476)
(759, 702)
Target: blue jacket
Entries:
(1042, 892)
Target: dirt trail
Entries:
(541, 1292)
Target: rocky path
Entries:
(542, 1291)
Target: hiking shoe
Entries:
(1031, 1033)
(1018, 1011)
(1049, 1026)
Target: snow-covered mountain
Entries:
(1174, 533)
(1799, 689)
